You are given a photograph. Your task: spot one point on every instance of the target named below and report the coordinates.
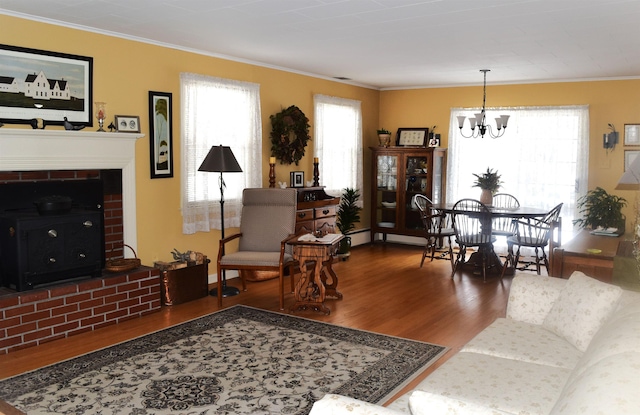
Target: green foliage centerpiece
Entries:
(490, 183)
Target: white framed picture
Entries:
(632, 134)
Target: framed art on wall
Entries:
(160, 139)
(127, 123)
(45, 86)
(412, 137)
(632, 134)
(629, 156)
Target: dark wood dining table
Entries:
(520, 212)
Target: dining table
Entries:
(521, 212)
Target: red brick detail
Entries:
(78, 298)
(76, 308)
(48, 305)
(40, 315)
(33, 296)
(19, 311)
(9, 301)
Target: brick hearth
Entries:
(31, 318)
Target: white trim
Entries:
(33, 150)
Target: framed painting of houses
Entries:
(40, 87)
(160, 139)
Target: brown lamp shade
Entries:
(220, 159)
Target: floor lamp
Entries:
(221, 159)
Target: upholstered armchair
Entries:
(268, 220)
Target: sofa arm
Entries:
(532, 296)
(333, 404)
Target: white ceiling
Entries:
(382, 44)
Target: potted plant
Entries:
(347, 216)
(601, 210)
(384, 137)
(489, 182)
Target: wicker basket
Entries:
(123, 264)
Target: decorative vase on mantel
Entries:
(486, 197)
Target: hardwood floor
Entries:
(385, 291)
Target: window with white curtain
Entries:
(542, 158)
(338, 143)
(216, 111)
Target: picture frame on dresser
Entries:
(45, 87)
(160, 139)
(412, 137)
(296, 179)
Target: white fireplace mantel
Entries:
(32, 150)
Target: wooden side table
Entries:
(317, 280)
(591, 254)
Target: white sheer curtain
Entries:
(542, 158)
(216, 111)
(338, 143)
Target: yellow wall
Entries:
(124, 72)
(614, 102)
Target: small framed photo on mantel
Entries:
(127, 124)
(412, 137)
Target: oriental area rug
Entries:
(240, 360)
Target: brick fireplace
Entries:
(47, 313)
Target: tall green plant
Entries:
(348, 211)
(600, 209)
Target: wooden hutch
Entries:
(399, 173)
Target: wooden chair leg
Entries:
(281, 288)
(451, 253)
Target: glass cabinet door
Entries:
(387, 190)
(416, 182)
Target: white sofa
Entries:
(565, 347)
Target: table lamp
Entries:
(221, 159)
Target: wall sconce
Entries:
(609, 140)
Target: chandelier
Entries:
(479, 119)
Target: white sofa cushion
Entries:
(620, 334)
(503, 384)
(332, 404)
(584, 304)
(426, 403)
(532, 296)
(517, 340)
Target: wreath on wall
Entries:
(289, 135)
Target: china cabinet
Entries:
(398, 174)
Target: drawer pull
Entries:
(326, 211)
(302, 215)
(52, 233)
(87, 224)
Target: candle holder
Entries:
(101, 114)
(316, 174)
(272, 175)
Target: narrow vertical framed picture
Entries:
(297, 179)
(629, 156)
(160, 139)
